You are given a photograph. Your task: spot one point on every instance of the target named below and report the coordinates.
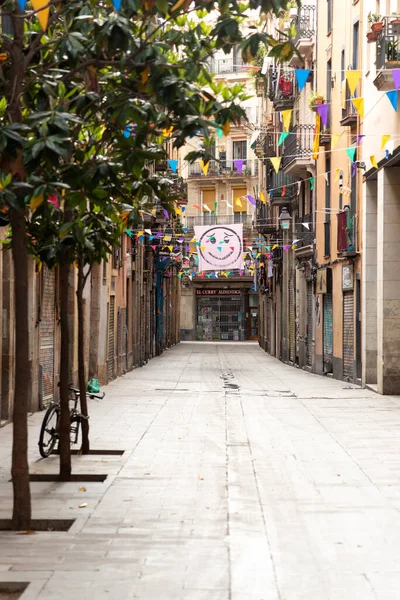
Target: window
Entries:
(329, 6)
(356, 42)
(327, 224)
(329, 86)
(239, 204)
(240, 150)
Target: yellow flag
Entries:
(153, 211)
(353, 77)
(204, 167)
(337, 174)
(276, 163)
(334, 141)
(286, 117)
(262, 198)
(238, 202)
(42, 15)
(373, 161)
(178, 211)
(385, 139)
(202, 248)
(359, 106)
(167, 132)
(226, 127)
(274, 246)
(36, 201)
(170, 248)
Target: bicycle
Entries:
(49, 432)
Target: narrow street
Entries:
(242, 479)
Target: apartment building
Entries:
(222, 306)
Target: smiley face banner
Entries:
(219, 247)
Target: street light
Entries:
(285, 218)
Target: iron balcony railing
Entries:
(225, 168)
(230, 64)
(305, 237)
(305, 23)
(298, 144)
(210, 219)
(388, 44)
(346, 231)
(282, 88)
(282, 186)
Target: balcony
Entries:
(211, 219)
(349, 115)
(305, 29)
(230, 64)
(265, 222)
(304, 249)
(282, 88)
(283, 189)
(297, 149)
(224, 168)
(347, 233)
(387, 53)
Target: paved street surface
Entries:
(242, 479)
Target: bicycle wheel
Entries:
(49, 431)
(76, 431)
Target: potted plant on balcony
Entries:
(392, 53)
(395, 24)
(315, 99)
(375, 20)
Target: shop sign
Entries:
(217, 292)
(347, 277)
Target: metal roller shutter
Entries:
(291, 318)
(269, 308)
(309, 324)
(328, 333)
(348, 335)
(111, 320)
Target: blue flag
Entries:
(174, 165)
(393, 96)
(117, 5)
(301, 77)
(22, 4)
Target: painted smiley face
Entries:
(220, 247)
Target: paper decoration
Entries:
(396, 78)
(311, 183)
(251, 200)
(359, 138)
(373, 161)
(238, 163)
(116, 5)
(283, 194)
(262, 198)
(166, 214)
(390, 146)
(22, 4)
(54, 201)
(148, 231)
(393, 96)
(323, 111)
(385, 139)
(353, 169)
(264, 67)
(178, 211)
(326, 177)
(238, 202)
(224, 250)
(42, 15)
(215, 207)
(282, 137)
(173, 164)
(220, 133)
(351, 152)
(306, 225)
(301, 77)
(204, 166)
(286, 118)
(359, 106)
(207, 208)
(334, 141)
(226, 127)
(337, 174)
(167, 132)
(229, 204)
(352, 78)
(276, 163)
(36, 201)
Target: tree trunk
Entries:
(21, 518)
(65, 442)
(81, 358)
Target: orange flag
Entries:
(42, 15)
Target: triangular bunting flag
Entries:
(262, 198)
(359, 106)
(276, 163)
(353, 77)
(359, 138)
(116, 5)
(21, 4)
(337, 173)
(204, 166)
(174, 165)
(396, 78)
(323, 111)
(238, 164)
(238, 202)
(301, 77)
(282, 137)
(326, 177)
(385, 139)
(42, 15)
(373, 161)
(393, 96)
(306, 225)
(286, 118)
(251, 200)
(207, 208)
(351, 153)
(334, 140)
(311, 183)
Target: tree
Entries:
(70, 92)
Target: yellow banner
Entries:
(316, 136)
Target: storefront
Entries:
(221, 314)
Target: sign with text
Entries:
(217, 292)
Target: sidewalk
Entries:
(242, 479)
